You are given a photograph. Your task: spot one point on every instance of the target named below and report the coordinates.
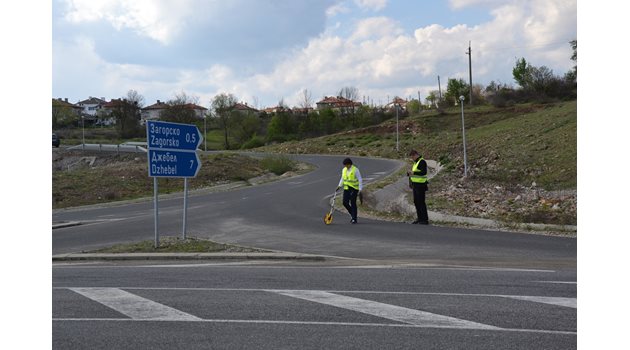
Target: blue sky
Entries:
(267, 50)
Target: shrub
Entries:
(255, 141)
(277, 164)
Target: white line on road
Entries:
(391, 312)
(557, 282)
(134, 306)
(566, 302)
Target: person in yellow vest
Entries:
(418, 181)
(352, 185)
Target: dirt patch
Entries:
(83, 178)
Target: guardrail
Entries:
(129, 147)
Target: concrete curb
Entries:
(185, 256)
(66, 224)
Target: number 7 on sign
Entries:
(192, 163)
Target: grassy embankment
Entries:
(511, 152)
(122, 177)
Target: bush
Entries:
(277, 164)
(255, 141)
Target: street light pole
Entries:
(461, 99)
(205, 138)
(396, 127)
(83, 127)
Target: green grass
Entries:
(171, 244)
(125, 177)
(515, 145)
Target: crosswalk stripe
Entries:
(134, 306)
(567, 302)
(391, 312)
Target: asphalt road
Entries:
(332, 306)
(288, 215)
(397, 286)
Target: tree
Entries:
(63, 114)
(571, 76)
(306, 100)
(432, 98)
(413, 106)
(222, 105)
(244, 127)
(127, 114)
(281, 127)
(349, 92)
(521, 72)
(134, 97)
(181, 109)
(456, 88)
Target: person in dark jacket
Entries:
(418, 181)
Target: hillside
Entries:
(522, 160)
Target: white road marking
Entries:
(567, 302)
(557, 282)
(391, 312)
(134, 306)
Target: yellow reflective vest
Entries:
(418, 178)
(350, 178)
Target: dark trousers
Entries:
(419, 191)
(350, 201)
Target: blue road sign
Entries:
(176, 136)
(168, 163)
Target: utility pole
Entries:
(469, 53)
(439, 89)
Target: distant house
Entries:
(105, 116)
(90, 108)
(245, 109)
(154, 111)
(276, 109)
(397, 101)
(338, 103)
(200, 111)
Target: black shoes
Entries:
(353, 221)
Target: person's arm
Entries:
(358, 174)
(422, 168)
(340, 182)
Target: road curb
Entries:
(66, 224)
(185, 256)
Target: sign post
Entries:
(172, 152)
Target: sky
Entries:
(265, 51)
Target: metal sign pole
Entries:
(185, 206)
(155, 206)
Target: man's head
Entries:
(347, 163)
(413, 154)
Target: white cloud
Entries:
(337, 9)
(377, 55)
(374, 5)
(375, 27)
(380, 59)
(158, 20)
